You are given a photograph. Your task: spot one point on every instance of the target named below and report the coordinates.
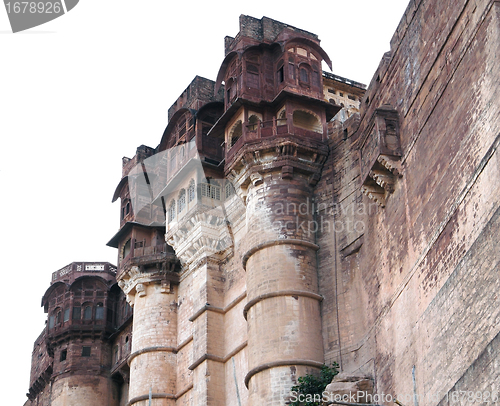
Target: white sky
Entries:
(79, 93)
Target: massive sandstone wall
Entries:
(417, 290)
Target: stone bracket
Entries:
(380, 155)
(285, 155)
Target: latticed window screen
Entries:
(229, 190)
(191, 191)
(211, 191)
(182, 200)
(171, 211)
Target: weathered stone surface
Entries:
(275, 262)
(351, 388)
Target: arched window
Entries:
(252, 76)
(304, 75)
(280, 74)
(253, 122)
(182, 200)
(316, 78)
(52, 321)
(171, 211)
(58, 317)
(87, 313)
(191, 191)
(235, 134)
(281, 117)
(307, 121)
(126, 343)
(77, 311)
(126, 249)
(230, 90)
(99, 312)
(291, 69)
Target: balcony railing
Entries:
(142, 255)
(149, 250)
(270, 128)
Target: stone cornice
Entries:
(201, 237)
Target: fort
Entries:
(290, 218)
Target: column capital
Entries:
(289, 156)
(206, 234)
(133, 281)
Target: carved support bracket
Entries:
(380, 154)
(288, 156)
(134, 280)
(207, 233)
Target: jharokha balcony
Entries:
(302, 124)
(141, 254)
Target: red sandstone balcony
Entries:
(141, 254)
(273, 128)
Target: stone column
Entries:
(154, 338)
(283, 308)
(201, 241)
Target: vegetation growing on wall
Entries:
(314, 385)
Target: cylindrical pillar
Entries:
(283, 307)
(153, 361)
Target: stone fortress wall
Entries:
(290, 218)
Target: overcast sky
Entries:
(79, 93)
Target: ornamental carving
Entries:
(380, 155)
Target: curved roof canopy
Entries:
(299, 40)
(171, 124)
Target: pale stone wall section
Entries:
(155, 328)
(83, 391)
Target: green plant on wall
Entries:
(314, 385)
